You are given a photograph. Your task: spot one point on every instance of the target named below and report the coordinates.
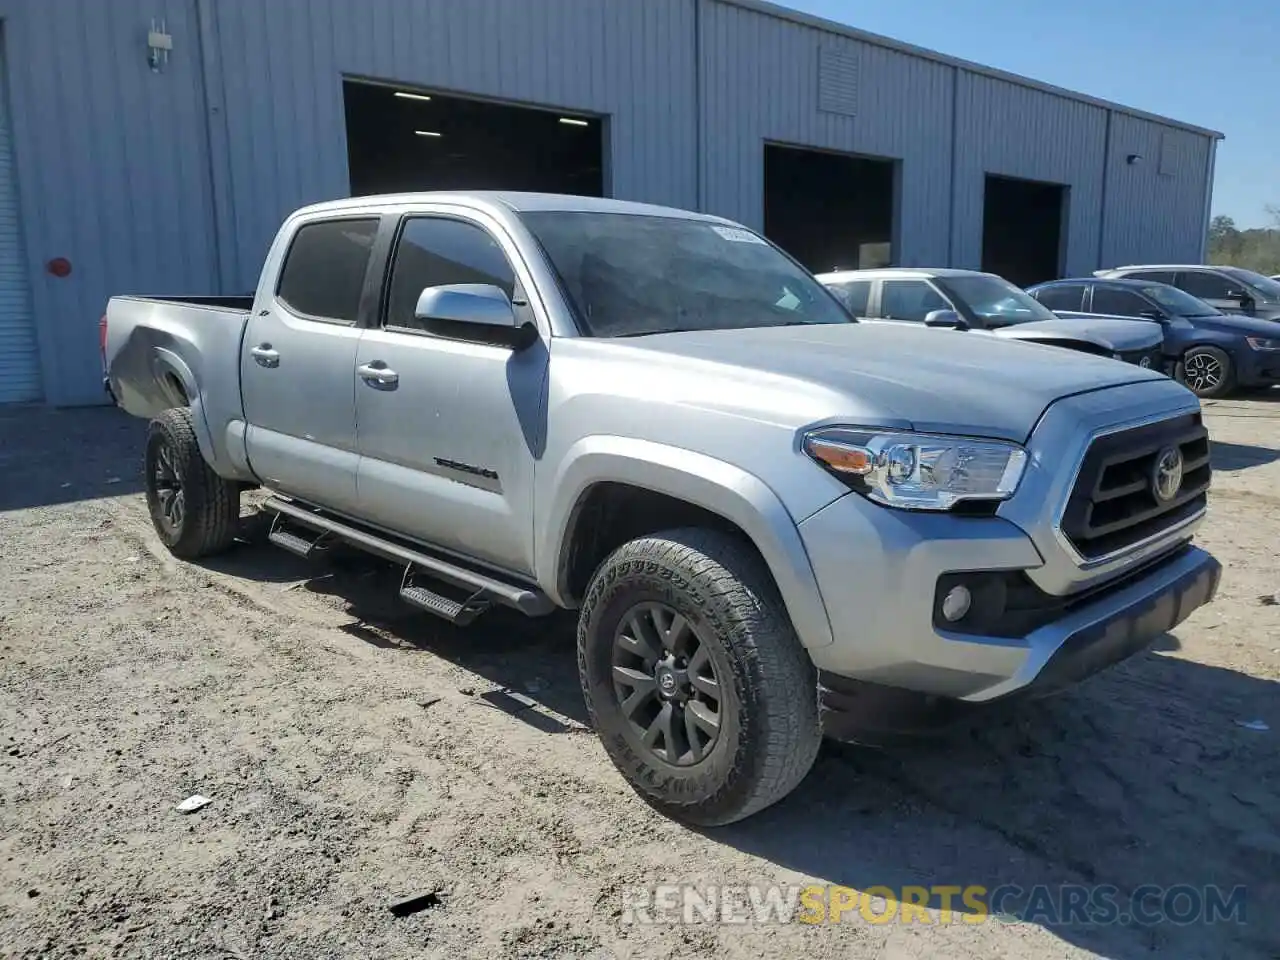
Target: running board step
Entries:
(302, 546)
(483, 588)
(459, 613)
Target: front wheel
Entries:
(1208, 372)
(694, 678)
(194, 511)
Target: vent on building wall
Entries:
(1168, 160)
(837, 81)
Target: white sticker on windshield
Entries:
(737, 235)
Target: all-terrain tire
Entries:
(769, 730)
(1210, 358)
(208, 512)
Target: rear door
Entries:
(298, 360)
(1118, 302)
(1065, 297)
(448, 439)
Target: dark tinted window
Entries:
(1118, 302)
(324, 269)
(433, 252)
(1206, 286)
(909, 300)
(854, 294)
(1062, 298)
(1159, 276)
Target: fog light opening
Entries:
(956, 603)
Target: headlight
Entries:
(918, 471)
(1263, 343)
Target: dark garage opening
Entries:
(405, 140)
(830, 211)
(1022, 234)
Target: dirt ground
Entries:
(358, 753)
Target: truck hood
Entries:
(1114, 335)
(937, 381)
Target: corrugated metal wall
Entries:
(112, 166)
(761, 84)
(631, 60)
(1038, 137)
(174, 182)
(1155, 208)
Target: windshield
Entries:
(994, 301)
(627, 275)
(1267, 288)
(1178, 302)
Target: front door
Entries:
(298, 364)
(1213, 288)
(451, 416)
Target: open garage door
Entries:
(831, 211)
(19, 361)
(1022, 235)
(400, 139)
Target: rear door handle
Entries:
(265, 355)
(377, 373)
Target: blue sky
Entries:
(1216, 65)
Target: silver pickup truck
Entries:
(774, 520)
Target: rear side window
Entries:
(909, 300)
(1119, 303)
(434, 251)
(1063, 297)
(1156, 276)
(323, 274)
(854, 294)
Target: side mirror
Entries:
(475, 303)
(945, 318)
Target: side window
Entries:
(1119, 303)
(434, 251)
(1156, 276)
(1206, 286)
(323, 272)
(854, 294)
(909, 300)
(1065, 297)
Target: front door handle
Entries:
(265, 355)
(378, 374)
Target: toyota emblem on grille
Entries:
(1166, 476)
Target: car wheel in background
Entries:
(1208, 372)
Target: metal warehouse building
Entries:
(152, 146)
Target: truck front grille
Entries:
(1116, 503)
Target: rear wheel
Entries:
(194, 511)
(1208, 372)
(694, 678)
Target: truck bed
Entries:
(162, 352)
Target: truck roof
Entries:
(513, 201)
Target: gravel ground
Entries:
(358, 753)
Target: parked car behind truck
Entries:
(766, 513)
(1212, 353)
(985, 303)
(1226, 289)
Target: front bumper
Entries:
(1110, 629)
(1258, 368)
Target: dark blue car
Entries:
(1211, 352)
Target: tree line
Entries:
(1257, 248)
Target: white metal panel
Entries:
(19, 362)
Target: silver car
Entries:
(986, 303)
(1228, 289)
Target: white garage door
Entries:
(19, 362)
